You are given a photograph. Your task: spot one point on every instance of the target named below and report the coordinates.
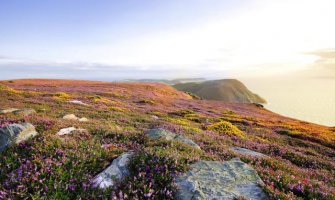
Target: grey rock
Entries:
(115, 172)
(71, 130)
(15, 133)
(160, 133)
(247, 152)
(168, 135)
(220, 180)
(154, 117)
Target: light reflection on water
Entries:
(311, 100)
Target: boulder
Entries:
(15, 133)
(220, 180)
(247, 152)
(71, 130)
(115, 172)
(162, 133)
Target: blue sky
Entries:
(104, 39)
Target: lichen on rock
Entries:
(220, 180)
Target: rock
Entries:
(70, 117)
(186, 140)
(162, 133)
(154, 117)
(71, 130)
(75, 118)
(25, 111)
(78, 102)
(83, 119)
(220, 180)
(115, 172)
(15, 133)
(9, 110)
(259, 105)
(247, 152)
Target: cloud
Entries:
(2, 57)
(326, 58)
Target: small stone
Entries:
(154, 117)
(78, 102)
(83, 119)
(71, 130)
(70, 117)
(16, 133)
(115, 172)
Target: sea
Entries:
(307, 99)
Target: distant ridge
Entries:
(228, 90)
(166, 81)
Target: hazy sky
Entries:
(166, 38)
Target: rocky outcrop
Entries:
(247, 152)
(162, 133)
(114, 173)
(75, 118)
(71, 130)
(15, 133)
(220, 180)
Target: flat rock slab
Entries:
(247, 152)
(8, 110)
(168, 135)
(15, 133)
(220, 180)
(71, 130)
(115, 172)
(24, 111)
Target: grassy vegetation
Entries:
(300, 162)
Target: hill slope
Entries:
(299, 161)
(228, 90)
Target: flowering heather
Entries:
(300, 162)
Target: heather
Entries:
(300, 162)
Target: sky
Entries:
(111, 40)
